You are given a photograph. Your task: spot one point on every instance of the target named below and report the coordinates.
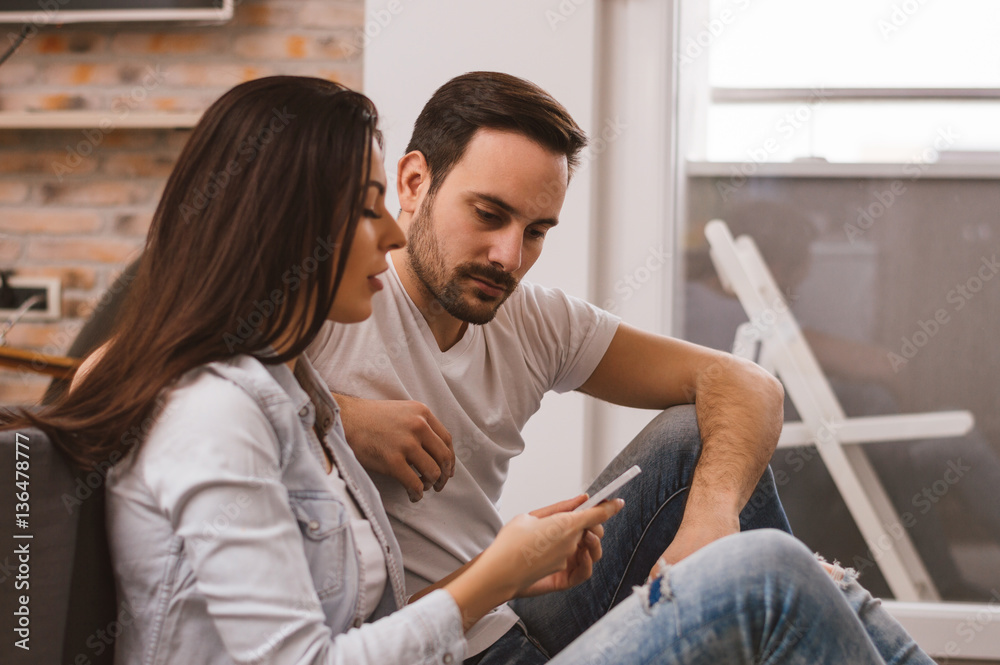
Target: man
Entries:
(436, 386)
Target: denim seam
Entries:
(642, 536)
(175, 558)
(528, 636)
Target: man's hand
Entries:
(394, 437)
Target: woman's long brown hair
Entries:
(245, 252)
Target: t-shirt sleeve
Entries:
(564, 337)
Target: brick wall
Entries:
(76, 204)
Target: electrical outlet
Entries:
(23, 288)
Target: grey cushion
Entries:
(71, 585)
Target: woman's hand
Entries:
(580, 566)
(547, 550)
(552, 548)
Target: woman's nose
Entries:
(392, 236)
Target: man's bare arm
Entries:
(739, 411)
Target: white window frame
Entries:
(943, 629)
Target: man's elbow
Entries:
(765, 384)
(775, 390)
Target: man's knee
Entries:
(674, 429)
(765, 552)
(772, 545)
(668, 447)
(763, 509)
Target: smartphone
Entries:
(610, 488)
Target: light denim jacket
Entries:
(229, 546)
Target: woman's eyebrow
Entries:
(377, 185)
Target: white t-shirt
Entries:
(483, 389)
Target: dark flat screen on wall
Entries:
(90, 5)
(78, 11)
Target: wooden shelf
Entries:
(58, 366)
(88, 119)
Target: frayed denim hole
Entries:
(841, 576)
(657, 590)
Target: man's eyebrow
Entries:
(377, 185)
(511, 210)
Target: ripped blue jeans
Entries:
(757, 598)
(701, 595)
(667, 450)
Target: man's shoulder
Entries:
(532, 294)
(532, 301)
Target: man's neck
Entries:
(447, 330)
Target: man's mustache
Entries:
(490, 274)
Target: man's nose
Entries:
(505, 251)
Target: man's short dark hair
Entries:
(490, 100)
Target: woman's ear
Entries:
(413, 180)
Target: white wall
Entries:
(414, 47)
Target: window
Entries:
(858, 142)
(851, 81)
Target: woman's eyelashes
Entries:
(373, 211)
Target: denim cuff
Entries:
(441, 621)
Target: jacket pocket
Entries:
(326, 538)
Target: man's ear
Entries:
(413, 180)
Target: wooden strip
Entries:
(61, 367)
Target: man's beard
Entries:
(428, 265)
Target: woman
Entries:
(241, 526)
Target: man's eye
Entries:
(536, 234)
(487, 216)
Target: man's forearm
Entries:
(739, 408)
